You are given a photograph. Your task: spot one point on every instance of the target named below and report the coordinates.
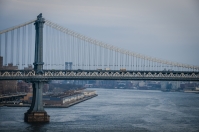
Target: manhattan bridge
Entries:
(70, 55)
(58, 53)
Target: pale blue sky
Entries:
(157, 28)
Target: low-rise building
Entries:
(65, 99)
(7, 86)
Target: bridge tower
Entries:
(36, 113)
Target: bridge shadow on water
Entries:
(37, 127)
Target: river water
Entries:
(115, 110)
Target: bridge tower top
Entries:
(38, 62)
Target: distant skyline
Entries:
(167, 30)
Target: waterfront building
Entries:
(7, 86)
(62, 99)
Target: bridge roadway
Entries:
(30, 75)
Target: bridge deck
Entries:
(30, 75)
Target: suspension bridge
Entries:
(70, 55)
(59, 53)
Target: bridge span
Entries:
(61, 48)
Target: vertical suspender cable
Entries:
(115, 62)
(127, 58)
(0, 45)
(128, 62)
(25, 56)
(31, 45)
(86, 56)
(54, 49)
(18, 46)
(92, 62)
(57, 52)
(89, 55)
(125, 61)
(29, 41)
(6, 44)
(23, 47)
(65, 48)
(82, 54)
(131, 62)
(58, 49)
(104, 57)
(72, 51)
(78, 49)
(97, 58)
(75, 51)
(46, 47)
(50, 46)
(62, 50)
(120, 63)
(12, 46)
(111, 59)
(70, 56)
(74, 56)
(56, 55)
(100, 55)
(107, 57)
(94, 59)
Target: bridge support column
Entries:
(36, 112)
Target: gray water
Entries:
(115, 110)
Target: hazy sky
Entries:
(166, 29)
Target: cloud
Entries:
(138, 24)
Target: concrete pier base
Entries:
(36, 113)
(36, 117)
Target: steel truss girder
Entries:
(97, 75)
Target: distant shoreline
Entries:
(52, 106)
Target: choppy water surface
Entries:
(115, 110)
